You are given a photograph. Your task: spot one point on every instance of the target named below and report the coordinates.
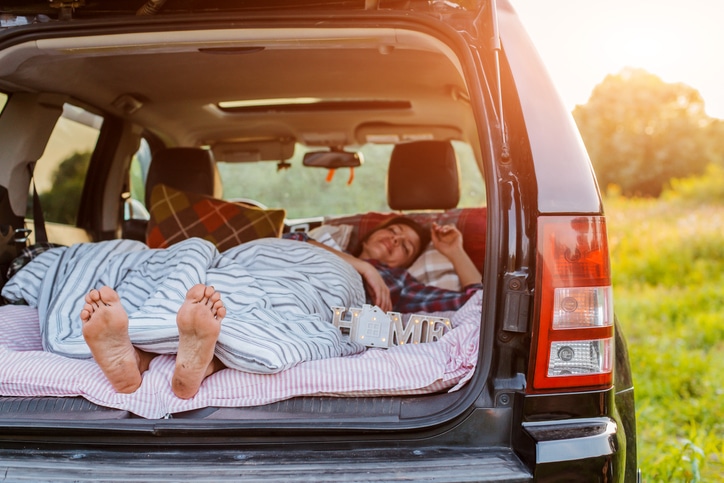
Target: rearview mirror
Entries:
(332, 159)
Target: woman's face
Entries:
(395, 246)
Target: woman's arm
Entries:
(448, 240)
(376, 286)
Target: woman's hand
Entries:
(447, 239)
(376, 285)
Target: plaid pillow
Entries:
(178, 215)
(434, 268)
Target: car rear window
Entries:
(309, 192)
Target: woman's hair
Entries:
(398, 220)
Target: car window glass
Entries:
(3, 100)
(135, 207)
(308, 192)
(60, 172)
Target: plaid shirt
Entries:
(410, 295)
(407, 293)
(27, 254)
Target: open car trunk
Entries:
(367, 77)
(150, 124)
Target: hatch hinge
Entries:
(66, 7)
(504, 389)
(517, 302)
(151, 7)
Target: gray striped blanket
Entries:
(278, 295)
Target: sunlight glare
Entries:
(647, 48)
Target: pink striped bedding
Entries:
(26, 370)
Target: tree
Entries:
(60, 204)
(641, 132)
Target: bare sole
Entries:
(105, 329)
(199, 324)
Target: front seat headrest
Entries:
(185, 169)
(423, 175)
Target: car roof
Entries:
(114, 8)
(124, 7)
(332, 86)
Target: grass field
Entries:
(668, 265)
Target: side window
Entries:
(60, 172)
(3, 101)
(135, 207)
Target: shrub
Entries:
(668, 269)
(707, 188)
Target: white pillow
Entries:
(335, 236)
(434, 268)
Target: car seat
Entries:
(183, 168)
(423, 175)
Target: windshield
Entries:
(310, 192)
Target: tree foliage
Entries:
(641, 132)
(307, 192)
(60, 204)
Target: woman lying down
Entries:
(261, 307)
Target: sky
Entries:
(582, 41)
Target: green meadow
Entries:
(668, 275)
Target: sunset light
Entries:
(642, 46)
(581, 42)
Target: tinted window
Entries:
(60, 172)
(308, 192)
(135, 207)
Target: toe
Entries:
(108, 295)
(196, 293)
(220, 312)
(93, 297)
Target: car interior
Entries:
(251, 132)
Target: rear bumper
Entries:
(587, 449)
(573, 439)
(441, 464)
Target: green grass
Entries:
(668, 272)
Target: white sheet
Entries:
(26, 370)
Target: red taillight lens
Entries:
(573, 342)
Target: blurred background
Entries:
(644, 81)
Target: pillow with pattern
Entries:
(178, 215)
(434, 268)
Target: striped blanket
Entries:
(329, 366)
(277, 293)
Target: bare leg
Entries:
(199, 324)
(105, 329)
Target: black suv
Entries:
(321, 117)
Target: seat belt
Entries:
(38, 219)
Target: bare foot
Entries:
(199, 324)
(105, 329)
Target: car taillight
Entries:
(573, 342)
